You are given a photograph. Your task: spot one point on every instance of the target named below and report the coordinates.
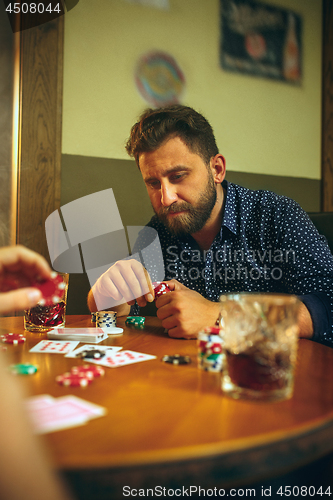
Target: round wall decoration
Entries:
(159, 79)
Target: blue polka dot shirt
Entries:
(267, 243)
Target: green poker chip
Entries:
(135, 320)
(23, 369)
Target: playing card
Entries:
(113, 330)
(53, 346)
(54, 414)
(87, 408)
(36, 402)
(122, 358)
(105, 348)
(92, 335)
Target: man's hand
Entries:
(305, 324)
(19, 269)
(123, 282)
(185, 312)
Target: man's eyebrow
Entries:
(178, 168)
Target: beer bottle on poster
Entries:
(291, 63)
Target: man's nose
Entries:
(168, 195)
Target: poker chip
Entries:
(92, 371)
(211, 364)
(160, 288)
(102, 314)
(212, 330)
(176, 359)
(74, 380)
(52, 289)
(91, 354)
(106, 319)
(210, 350)
(13, 338)
(23, 369)
(135, 320)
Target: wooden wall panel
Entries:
(6, 113)
(40, 129)
(327, 123)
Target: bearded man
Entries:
(216, 237)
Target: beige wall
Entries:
(262, 126)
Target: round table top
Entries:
(176, 418)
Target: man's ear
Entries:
(217, 164)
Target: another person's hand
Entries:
(123, 282)
(185, 312)
(19, 269)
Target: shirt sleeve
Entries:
(319, 307)
(308, 272)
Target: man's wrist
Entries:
(305, 323)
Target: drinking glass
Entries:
(42, 318)
(260, 339)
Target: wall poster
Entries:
(260, 39)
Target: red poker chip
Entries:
(160, 288)
(212, 349)
(52, 290)
(88, 370)
(216, 348)
(74, 380)
(13, 338)
(212, 330)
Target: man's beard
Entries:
(195, 217)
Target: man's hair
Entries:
(157, 125)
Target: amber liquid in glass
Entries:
(45, 317)
(250, 371)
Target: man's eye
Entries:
(176, 177)
(154, 184)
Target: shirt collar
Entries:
(229, 217)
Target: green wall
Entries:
(262, 126)
(268, 131)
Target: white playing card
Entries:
(53, 346)
(84, 331)
(54, 417)
(108, 349)
(122, 358)
(92, 335)
(40, 401)
(54, 414)
(91, 410)
(113, 330)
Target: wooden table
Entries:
(171, 425)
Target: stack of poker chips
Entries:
(106, 319)
(210, 351)
(80, 376)
(138, 321)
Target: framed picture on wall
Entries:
(261, 40)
